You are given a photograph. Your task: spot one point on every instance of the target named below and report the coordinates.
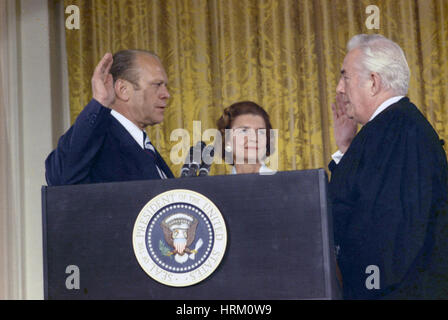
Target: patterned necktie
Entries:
(152, 151)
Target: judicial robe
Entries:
(389, 206)
(97, 148)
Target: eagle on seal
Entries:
(179, 230)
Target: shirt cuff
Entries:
(337, 156)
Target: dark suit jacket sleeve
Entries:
(70, 162)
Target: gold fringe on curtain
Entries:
(283, 54)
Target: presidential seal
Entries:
(179, 238)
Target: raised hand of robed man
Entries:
(345, 127)
(102, 81)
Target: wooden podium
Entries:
(280, 240)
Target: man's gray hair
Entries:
(124, 65)
(385, 57)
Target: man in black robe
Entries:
(388, 184)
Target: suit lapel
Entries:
(130, 149)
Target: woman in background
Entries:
(245, 130)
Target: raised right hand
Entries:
(102, 82)
(345, 128)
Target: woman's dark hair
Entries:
(241, 108)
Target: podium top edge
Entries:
(320, 171)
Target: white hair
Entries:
(385, 57)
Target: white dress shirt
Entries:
(133, 130)
(264, 170)
(337, 156)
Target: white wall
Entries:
(39, 114)
(36, 131)
(11, 188)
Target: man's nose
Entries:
(340, 87)
(164, 93)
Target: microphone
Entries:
(207, 160)
(191, 164)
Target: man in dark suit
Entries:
(108, 141)
(388, 183)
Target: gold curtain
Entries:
(283, 54)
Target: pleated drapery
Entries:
(283, 54)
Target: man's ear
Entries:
(376, 84)
(122, 89)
